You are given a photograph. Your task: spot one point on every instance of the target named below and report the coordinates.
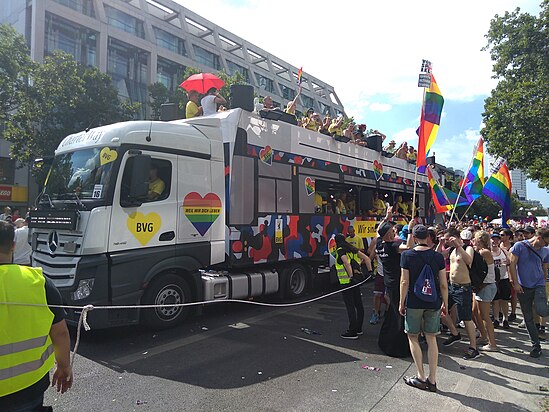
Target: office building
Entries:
(518, 179)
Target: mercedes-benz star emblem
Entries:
(53, 241)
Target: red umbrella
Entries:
(202, 82)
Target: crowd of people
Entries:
(23, 249)
(467, 277)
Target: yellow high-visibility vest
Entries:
(342, 274)
(26, 350)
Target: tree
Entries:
(158, 93)
(516, 115)
(65, 97)
(15, 64)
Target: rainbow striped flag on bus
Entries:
(431, 112)
(499, 188)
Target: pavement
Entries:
(235, 357)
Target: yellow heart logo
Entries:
(107, 155)
(144, 227)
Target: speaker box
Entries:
(242, 96)
(168, 112)
(374, 142)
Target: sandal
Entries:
(432, 387)
(415, 382)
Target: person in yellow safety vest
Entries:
(32, 336)
(347, 257)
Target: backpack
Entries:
(425, 287)
(478, 271)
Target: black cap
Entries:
(495, 235)
(384, 228)
(530, 229)
(420, 231)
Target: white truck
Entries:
(248, 208)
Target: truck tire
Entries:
(295, 280)
(166, 289)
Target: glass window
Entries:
(266, 196)
(284, 196)
(169, 41)
(206, 57)
(123, 21)
(287, 92)
(82, 6)
(160, 175)
(169, 73)
(79, 174)
(265, 83)
(242, 179)
(307, 101)
(78, 41)
(325, 109)
(233, 68)
(7, 171)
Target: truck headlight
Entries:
(84, 289)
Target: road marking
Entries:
(189, 340)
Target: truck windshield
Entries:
(83, 174)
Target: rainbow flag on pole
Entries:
(499, 188)
(299, 74)
(474, 181)
(444, 199)
(431, 112)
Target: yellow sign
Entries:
(144, 227)
(107, 155)
(279, 238)
(365, 228)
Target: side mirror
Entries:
(136, 176)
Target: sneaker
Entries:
(360, 333)
(512, 317)
(349, 335)
(536, 352)
(500, 316)
(522, 325)
(451, 340)
(471, 353)
(488, 348)
(541, 334)
(374, 320)
(496, 323)
(461, 325)
(477, 332)
(506, 325)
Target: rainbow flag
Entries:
(444, 199)
(299, 74)
(499, 188)
(452, 197)
(474, 181)
(431, 111)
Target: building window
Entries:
(307, 101)
(287, 92)
(233, 68)
(123, 21)
(169, 41)
(82, 6)
(80, 42)
(7, 171)
(265, 83)
(206, 57)
(325, 109)
(128, 67)
(169, 73)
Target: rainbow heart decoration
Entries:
(310, 186)
(378, 170)
(201, 211)
(266, 155)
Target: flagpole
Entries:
(464, 214)
(461, 186)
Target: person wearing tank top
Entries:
(485, 296)
(500, 305)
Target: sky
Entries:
(371, 52)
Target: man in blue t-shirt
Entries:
(421, 315)
(528, 266)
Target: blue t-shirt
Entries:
(414, 260)
(530, 267)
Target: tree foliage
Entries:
(516, 115)
(15, 64)
(63, 97)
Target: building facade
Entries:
(518, 179)
(140, 42)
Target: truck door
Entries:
(153, 223)
(199, 207)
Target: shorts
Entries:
(462, 296)
(379, 286)
(504, 290)
(487, 293)
(414, 318)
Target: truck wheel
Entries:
(167, 290)
(295, 279)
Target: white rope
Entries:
(83, 319)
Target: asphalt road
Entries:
(248, 358)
